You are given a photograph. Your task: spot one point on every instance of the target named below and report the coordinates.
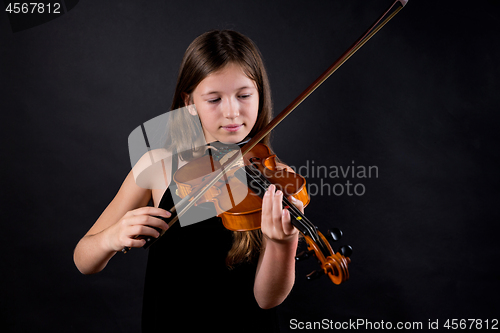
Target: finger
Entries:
(277, 209)
(297, 203)
(139, 221)
(156, 222)
(145, 231)
(134, 242)
(267, 204)
(146, 219)
(286, 222)
(153, 211)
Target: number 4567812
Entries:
(471, 324)
(33, 8)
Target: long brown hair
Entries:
(209, 53)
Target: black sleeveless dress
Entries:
(188, 287)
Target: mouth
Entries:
(232, 127)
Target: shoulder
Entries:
(152, 170)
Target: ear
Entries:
(185, 98)
(187, 102)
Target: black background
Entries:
(420, 101)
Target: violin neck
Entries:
(259, 185)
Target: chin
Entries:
(233, 138)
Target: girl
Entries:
(203, 276)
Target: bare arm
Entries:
(125, 218)
(275, 275)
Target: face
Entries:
(227, 102)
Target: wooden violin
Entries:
(217, 180)
(238, 195)
(243, 212)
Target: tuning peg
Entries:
(304, 255)
(315, 274)
(346, 250)
(334, 234)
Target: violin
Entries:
(236, 181)
(238, 196)
(252, 179)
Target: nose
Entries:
(231, 109)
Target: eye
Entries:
(245, 96)
(214, 101)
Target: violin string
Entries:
(294, 211)
(265, 187)
(296, 214)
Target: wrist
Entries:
(105, 243)
(289, 243)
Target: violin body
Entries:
(239, 203)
